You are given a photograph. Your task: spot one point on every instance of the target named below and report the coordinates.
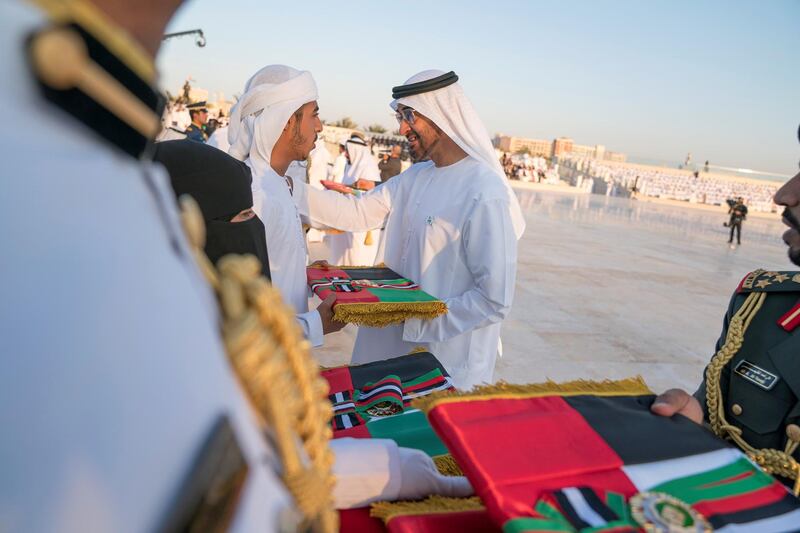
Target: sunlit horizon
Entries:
(652, 80)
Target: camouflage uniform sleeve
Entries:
(700, 393)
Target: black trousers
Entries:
(738, 227)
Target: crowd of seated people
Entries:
(697, 187)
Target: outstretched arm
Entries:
(344, 211)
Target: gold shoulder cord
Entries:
(770, 460)
(271, 359)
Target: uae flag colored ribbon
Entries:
(372, 296)
(419, 374)
(372, 400)
(543, 457)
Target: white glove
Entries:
(420, 478)
(369, 470)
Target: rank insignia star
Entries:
(763, 283)
(780, 278)
(796, 278)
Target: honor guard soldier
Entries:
(118, 409)
(199, 115)
(750, 393)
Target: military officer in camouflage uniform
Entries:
(750, 392)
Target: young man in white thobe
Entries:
(274, 124)
(451, 224)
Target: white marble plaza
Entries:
(610, 288)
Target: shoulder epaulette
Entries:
(770, 281)
(90, 72)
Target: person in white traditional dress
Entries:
(319, 164)
(355, 248)
(340, 163)
(219, 139)
(451, 224)
(274, 124)
(319, 167)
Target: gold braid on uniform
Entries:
(770, 460)
(271, 359)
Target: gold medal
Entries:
(658, 512)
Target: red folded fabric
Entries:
(568, 459)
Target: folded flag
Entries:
(586, 456)
(372, 296)
(435, 514)
(410, 376)
(372, 400)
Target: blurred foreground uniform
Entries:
(118, 405)
(115, 393)
(755, 376)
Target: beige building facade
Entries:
(557, 147)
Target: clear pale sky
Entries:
(719, 79)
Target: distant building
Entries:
(599, 152)
(335, 134)
(197, 94)
(519, 144)
(556, 147)
(580, 150)
(562, 146)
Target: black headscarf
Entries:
(221, 186)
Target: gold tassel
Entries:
(502, 390)
(447, 466)
(378, 315)
(273, 363)
(770, 460)
(430, 505)
(348, 267)
(368, 239)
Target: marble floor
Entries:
(612, 287)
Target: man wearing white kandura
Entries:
(273, 124)
(355, 248)
(451, 224)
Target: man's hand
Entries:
(365, 185)
(677, 401)
(420, 478)
(325, 310)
